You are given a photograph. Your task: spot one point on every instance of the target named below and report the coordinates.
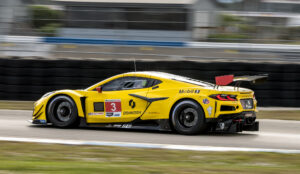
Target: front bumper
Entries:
(38, 122)
(244, 121)
(39, 112)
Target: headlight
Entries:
(47, 94)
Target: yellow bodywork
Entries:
(172, 90)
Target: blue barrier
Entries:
(110, 42)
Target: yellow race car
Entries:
(153, 100)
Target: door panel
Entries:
(160, 109)
(115, 106)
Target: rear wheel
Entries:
(62, 112)
(188, 118)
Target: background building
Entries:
(168, 20)
(127, 19)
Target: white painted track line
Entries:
(146, 145)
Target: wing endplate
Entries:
(224, 80)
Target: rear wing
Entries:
(227, 79)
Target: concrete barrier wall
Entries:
(22, 79)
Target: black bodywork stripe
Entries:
(35, 115)
(82, 100)
(149, 100)
(38, 115)
(215, 108)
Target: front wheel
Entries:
(62, 112)
(188, 118)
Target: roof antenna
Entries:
(134, 64)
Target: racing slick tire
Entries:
(188, 118)
(62, 112)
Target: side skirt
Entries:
(161, 124)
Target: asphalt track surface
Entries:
(273, 134)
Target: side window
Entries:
(153, 82)
(156, 82)
(135, 83)
(125, 83)
(114, 85)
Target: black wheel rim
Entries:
(188, 117)
(63, 111)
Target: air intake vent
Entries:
(227, 108)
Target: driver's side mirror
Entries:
(99, 89)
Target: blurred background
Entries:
(55, 44)
(255, 21)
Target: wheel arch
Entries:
(182, 99)
(77, 99)
(178, 101)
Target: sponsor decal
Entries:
(109, 114)
(131, 112)
(128, 125)
(209, 110)
(205, 101)
(117, 125)
(189, 91)
(113, 114)
(113, 108)
(153, 113)
(132, 104)
(96, 113)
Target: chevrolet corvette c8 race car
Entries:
(153, 100)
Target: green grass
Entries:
(16, 105)
(53, 158)
(281, 115)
